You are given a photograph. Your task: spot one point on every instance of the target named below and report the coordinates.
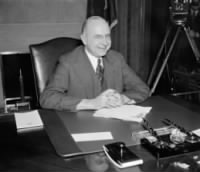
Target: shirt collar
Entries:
(93, 59)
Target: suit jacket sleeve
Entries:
(133, 86)
(55, 94)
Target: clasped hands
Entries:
(108, 99)
(111, 98)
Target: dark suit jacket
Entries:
(75, 79)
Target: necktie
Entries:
(100, 71)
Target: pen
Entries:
(121, 151)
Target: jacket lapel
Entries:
(87, 75)
(108, 73)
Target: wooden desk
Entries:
(33, 151)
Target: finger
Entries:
(113, 102)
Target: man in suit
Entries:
(76, 85)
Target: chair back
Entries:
(44, 57)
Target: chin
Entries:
(102, 53)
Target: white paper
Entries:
(95, 136)
(28, 119)
(126, 112)
(197, 132)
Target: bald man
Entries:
(75, 84)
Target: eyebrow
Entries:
(98, 34)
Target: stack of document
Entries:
(126, 112)
(27, 121)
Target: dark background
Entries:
(182, 59)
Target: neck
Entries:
(89, 53)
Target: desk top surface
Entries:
(33, 151)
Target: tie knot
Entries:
(99, 68)
(99, 61)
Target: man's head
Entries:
(96, 36)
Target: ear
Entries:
(83, 38)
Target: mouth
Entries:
(105, 48)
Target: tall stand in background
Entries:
(178, 13)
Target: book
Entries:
(26, 121)
(121, 156)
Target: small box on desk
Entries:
(121, 156)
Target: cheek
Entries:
(109, 45)
(92, 44)
(109, 41)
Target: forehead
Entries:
(97, 26)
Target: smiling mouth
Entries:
(103, 48)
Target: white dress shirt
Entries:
(93, 60)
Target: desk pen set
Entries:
(177, 141)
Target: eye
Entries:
(98, 36)
(108, 37)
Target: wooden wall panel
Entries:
(23, 22)
(17, 37)
(42, 11)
